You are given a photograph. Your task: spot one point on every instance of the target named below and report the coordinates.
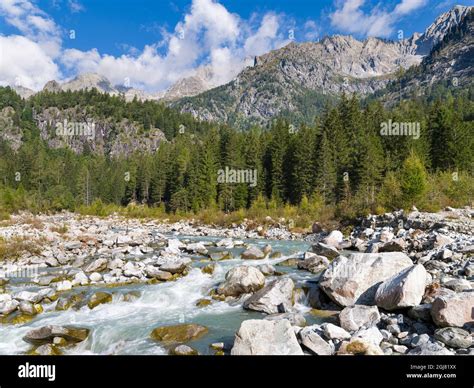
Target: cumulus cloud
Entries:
(25, 63)
(208, 35)
(349, 17)
(33, 23)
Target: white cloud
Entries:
(311, 30)
(349, 17)
(33, 23)
(207, 35)
(25, 63)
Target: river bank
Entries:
(396, 284)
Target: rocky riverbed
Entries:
(399, 283)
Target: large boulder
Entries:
(430, 349)
(46, 334)
(242, 280)
(266, 337)
(179, 333)
(98, 265)
(334, 239)
(334, 332)
(353, 318)
(454, 310)
(405, 289)
(276, 297)
(156, 273)
(314, 263)
(354, 279)
(253, 253)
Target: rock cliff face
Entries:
(436, 31)
(75, 129)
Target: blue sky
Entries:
(153, 43)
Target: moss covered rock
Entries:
(99, 298)
(47, 334)
(179, 333)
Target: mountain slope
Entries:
(297, 80)
(450, 64)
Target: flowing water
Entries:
(124, 327)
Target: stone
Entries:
(441, 240)
(353, 318)
(29, 296)
(419, 340)
(316, 228)
(360, 347)
(400, 349)
(396, 245)
(314, 264)
(454, 337)
(27, 308)
(65, 285)
(98, 298)
(80, 279)
(242, 279)
(371, 335)
(173, 264)
(334, 332)
(334, 239)
(46, 334)
(179, 333)
(209, 269)
(354, 279)
(267, 269)
(458, 285)
(95, 277)
(430, 349)
(8, 306)
(405, 289)
(203, 302)
(276, 297)
(98, 265)
(454, 310)
(266, 337)
(46, 350)
(183, 350)
(312, 339)
(67, 301)
(197, 248)
(325, 250)
(267, 249)
(220, 256)
(73, 245)
(253, 253)
(156, 273)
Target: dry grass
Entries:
(16, 247)
(59, 229)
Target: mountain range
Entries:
(298, 79)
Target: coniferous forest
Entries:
(338, 164)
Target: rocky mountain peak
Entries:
(438, 29)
